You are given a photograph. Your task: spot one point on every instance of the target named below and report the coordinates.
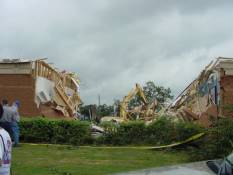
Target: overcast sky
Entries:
(112, 44)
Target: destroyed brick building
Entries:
(209, 96)
(41, 89)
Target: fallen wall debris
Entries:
(209, 96)
(41, 89)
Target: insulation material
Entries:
(44, 89)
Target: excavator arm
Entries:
(124, 104)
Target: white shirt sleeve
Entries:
(1, 149)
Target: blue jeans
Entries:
(15, 129)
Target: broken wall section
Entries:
(208, 96)
(56, 90)
(17, 82)
(41, 89)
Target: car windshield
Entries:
(230, 158)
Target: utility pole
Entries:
(98, 100)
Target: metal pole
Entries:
(98, 100)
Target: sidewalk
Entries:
(197, 168)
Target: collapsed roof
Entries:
(60, 87)
(207, 94)
(52, 89)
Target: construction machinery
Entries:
(142, 111)
(145, 112)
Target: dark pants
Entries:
(15, 130)
(7, 127)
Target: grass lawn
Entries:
(67, 160)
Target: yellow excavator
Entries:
(146, 110)
(125, 114)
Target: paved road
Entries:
(197, 168)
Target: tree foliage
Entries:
(84, 110)
(105, 110)
(153, 92)
(100, 111)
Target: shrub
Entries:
(55, 131)
(131, 133)
(110, 136)
(186, 129)
(224, 131)
(161, 131)
(36, 130)
(124, 134)
(217, 142)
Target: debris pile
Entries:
(145, 111)
(210, 95)
(42, 89)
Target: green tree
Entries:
(153, 92)
(105, 110)
(84, 109)
(94, 112)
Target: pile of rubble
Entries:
(209, 96)
(42, 89)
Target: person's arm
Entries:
(1, 151)
(15, 114)
(18, 116)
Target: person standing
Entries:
(1, 110)
(6, 119)
(15, 122)
(5, 152)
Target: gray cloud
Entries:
(114, 44)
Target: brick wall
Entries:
(227, 95)
(21, 87)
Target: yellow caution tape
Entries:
(195, 137)
(191, 139)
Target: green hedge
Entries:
(124, 134)
(55, 131)
(160, 132)
(217, 143)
